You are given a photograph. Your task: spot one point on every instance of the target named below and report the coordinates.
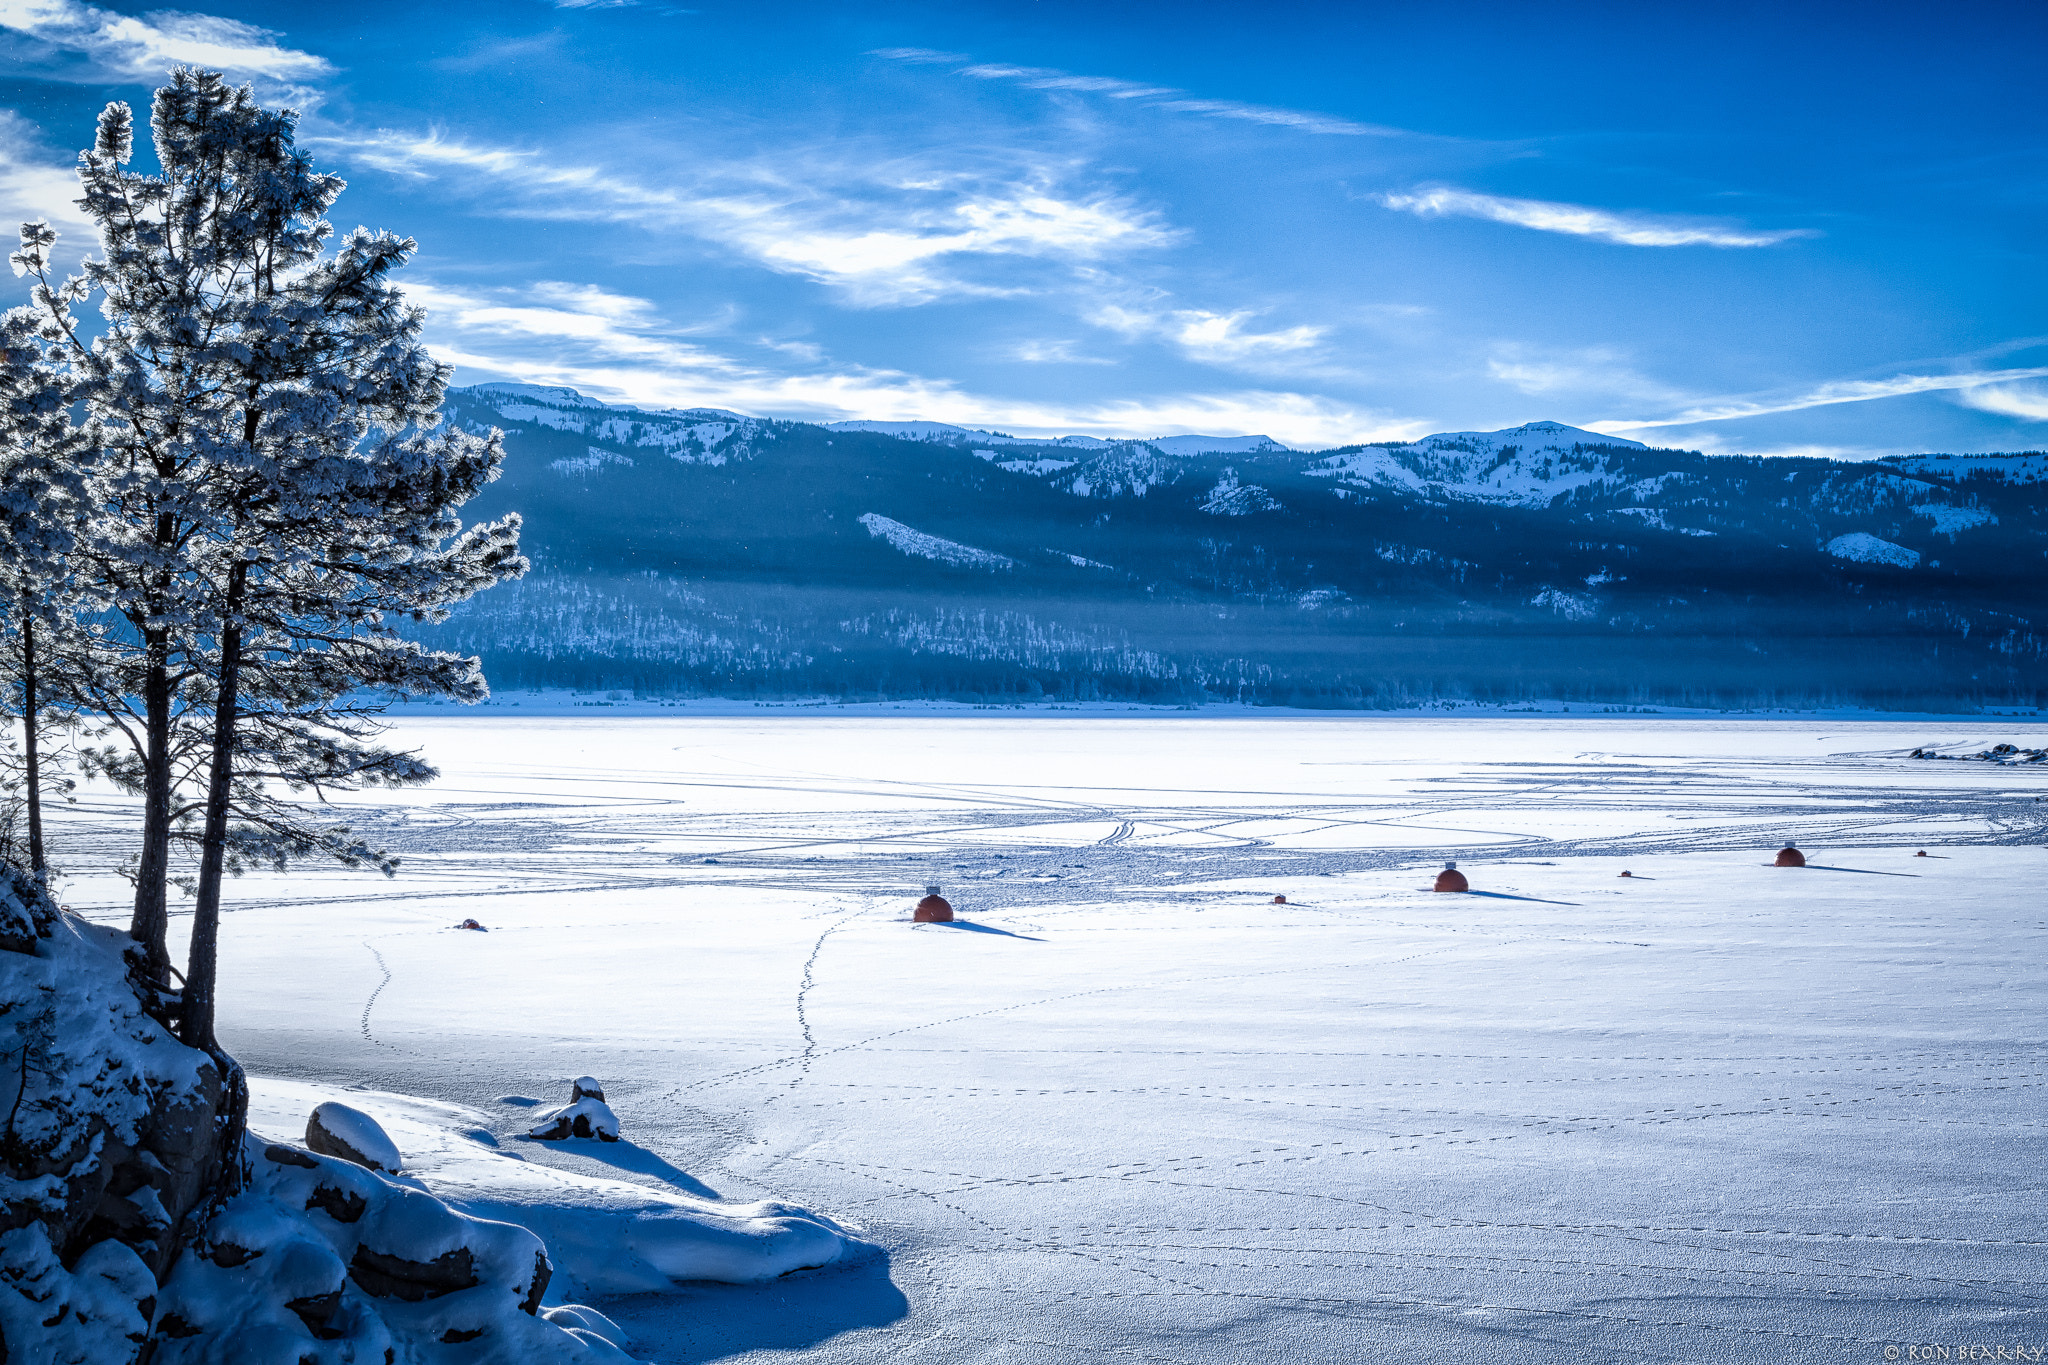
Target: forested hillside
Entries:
(702, 551)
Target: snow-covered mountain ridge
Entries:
(690, 435)
(706, 548)
(946, 434)
(1538, 464)
(1521, 466)
(1601, 482)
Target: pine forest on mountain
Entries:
(701, 552)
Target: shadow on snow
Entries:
(971, 927)
(626, 1155)
(701, 1321)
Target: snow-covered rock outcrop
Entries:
(321, 1260)
(603, 1236)
(1229, 498)
(111, 1141)
(135, 1219)
(1125, 470)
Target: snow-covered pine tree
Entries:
(43, 459)
(272, 495)
(141, 388)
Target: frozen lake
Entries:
(1130, 1109)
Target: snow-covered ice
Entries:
(1127, 1107)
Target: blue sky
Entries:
(1776, 228)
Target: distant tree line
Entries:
(659, 636)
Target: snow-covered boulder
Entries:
(339, 1131)
(319, 1259)
(604, 1236)
(585, 1116)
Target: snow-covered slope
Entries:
(1860, 547)
(708, 436)
(923, 546)
(1525, 466)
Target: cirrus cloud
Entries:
(616, 347)
(880, 234)
(34, 183)
(2026, 401)
(1578, 220)
(124, 47)
(1845, 391)
(1163, 97)
(1211, 337)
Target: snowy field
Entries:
(1131, 1110)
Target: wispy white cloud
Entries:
(1828, 395)
(1047, 78)
(424, 155)
(1578, 220)
(143, 49)
(1053, 352)
(594, 341)
(1585, 372)
(34, 182)
(2027, 401)
(920, 56)
(1162, 97)
(891, 234)
(900, 263)
(1280, 118)
(1210, 337)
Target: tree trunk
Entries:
(32, 753)
(151, 923)
(196, 1024)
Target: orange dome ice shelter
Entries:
(933, 909)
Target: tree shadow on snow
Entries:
(700, 1321)
(973, 928)
(1504, 896)
(1866, 871)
